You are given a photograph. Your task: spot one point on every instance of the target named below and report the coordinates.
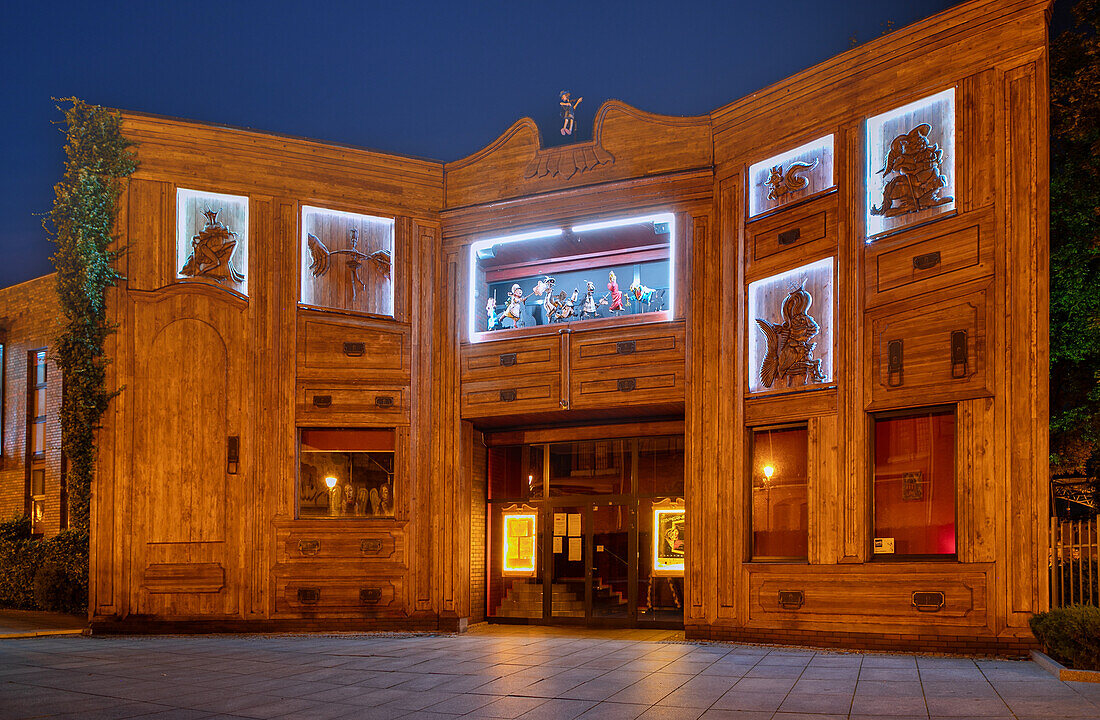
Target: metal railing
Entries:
(1075, 550)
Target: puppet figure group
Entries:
(560, 307)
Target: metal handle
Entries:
(383, 401)
(928, 601)
(322, 401)
(927, 260)
(309, 595)
(507, 359)
(370, 546)
(789, 237)
(309, 548)
(791, 599)
(626, 384)
(894, 363)
(355, 349)
(625, 347)
(370, 596)
(232, 454)
(960, 365)
(507, 395)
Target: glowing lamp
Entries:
(769, 471)
(330, 481)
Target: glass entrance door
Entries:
(614, 540)
(565, 591)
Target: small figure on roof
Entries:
(567, 109)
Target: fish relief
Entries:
(790, 351)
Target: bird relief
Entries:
(212, 252)
(321, 255)
(914, 178)
(784, 182)
(790, 345)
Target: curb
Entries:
(1061, 672)
(40, 633)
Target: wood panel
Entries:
(321, 404)
(637, 345)
(361, 543)
(800, 231)
(505, 359)
(347, 349)
(306, 597)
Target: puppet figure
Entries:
(613, 291)
(567, 307)
(646, 295)
(212, 252)
(491, 314)
(588, 307)
(917, 183)
(544, 289)
(567, 109)
(513, 306)
(790, 354)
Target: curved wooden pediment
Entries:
(626, 142)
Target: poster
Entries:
(574, 549)
(557, 544)
(559, 523)
(668, 540)
(574, 524)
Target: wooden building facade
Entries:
(370, 391)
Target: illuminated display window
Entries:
(780, 493)
(668, 538)
(346, 473)
(347, 261)
(914, 484)
(212, 238)
(791, 329)
(790, 176)
(581, 273)
(520, 533)
(910, 171)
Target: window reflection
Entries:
(346, 473)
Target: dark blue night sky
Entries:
(433, 79)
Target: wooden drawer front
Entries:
(955, 253)
(352, 403)
(627, 346)
(499, 360)
(871, 598)
(329, 346)
(323, 594)
(508, 396)
(331, 544)
(933, 353)
(812, 223)
(631, 385)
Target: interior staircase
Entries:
(524, 599)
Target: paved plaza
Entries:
(508, 673)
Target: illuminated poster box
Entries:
(519, 543)
(668, 540)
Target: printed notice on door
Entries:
(574, 524)
(574, 549)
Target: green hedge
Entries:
(43, 574)
(1070, 635)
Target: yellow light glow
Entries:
(665, 566)
(520, 531)
(330, 481)
(768, 471)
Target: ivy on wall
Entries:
(82, 224)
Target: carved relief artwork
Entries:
(565, 162)
(321, 255)
(790, 346)
(914, 180)
(212, 252)
(784, 182)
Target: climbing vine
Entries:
(82, 224)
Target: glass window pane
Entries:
(38, 401)
(915, 485)
(779, 493)
(593, 467)
(661, 466)
(346, 473)
(515, 472)
(40, 368)
(38, 482)
(38, 438)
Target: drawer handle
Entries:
(894, 363)
(789, 237)
(625, 347)
(383, 401)
(927, 260)
(232, 454)
(355, 349)
(507, 395)
(925, 601)
(370, 546)
(626, 384)
(507, 359)
(309, 548)
(960, 367)
(791, 599)
(322, 401)
(370, 596)
(309, 595)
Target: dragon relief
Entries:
(790, 352)
(916, 184)
(783, 183)
(212, 252)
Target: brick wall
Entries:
(30, 319)
(479, 498)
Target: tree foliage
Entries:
(82, 224)
(1075, 241)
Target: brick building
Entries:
(31, 464)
